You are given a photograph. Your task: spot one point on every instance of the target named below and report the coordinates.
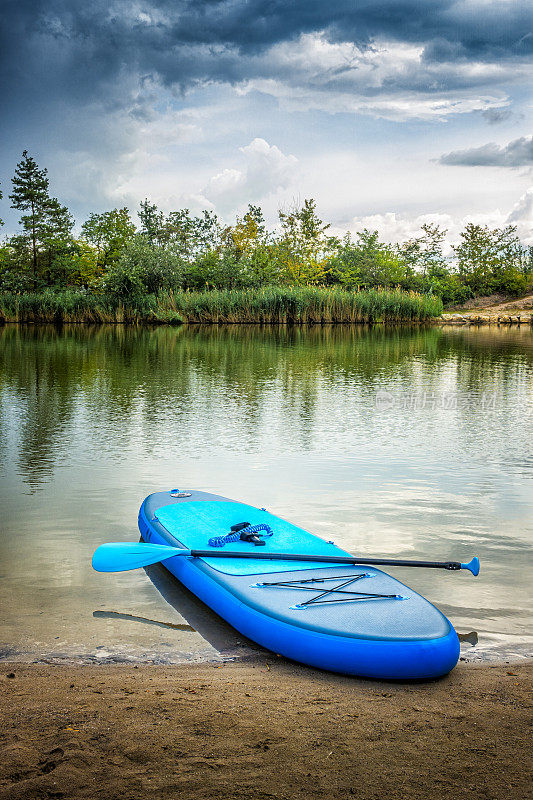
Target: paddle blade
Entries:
(120, 556)
(473, 566)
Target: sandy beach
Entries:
(261, 728)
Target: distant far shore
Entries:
(264, 729)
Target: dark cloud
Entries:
(79, 78)
(496, 115)
(518, 153)
(84, 51)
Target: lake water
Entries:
(404, 443)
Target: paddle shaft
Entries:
(385, 562)
(120, 556)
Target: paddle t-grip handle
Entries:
(473, 566)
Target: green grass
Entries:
(269, 305)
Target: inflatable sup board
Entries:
(348, 618)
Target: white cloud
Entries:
(522, 215)
(266, 170)
(135, 156)
(399, 227)
(259, 172)
(390, 80)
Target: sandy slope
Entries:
(497, 302)
(485, 309)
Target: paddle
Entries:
(120, 556)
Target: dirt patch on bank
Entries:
(496, 309)
(495, 302)
(258, 730)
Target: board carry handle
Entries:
(122, 556)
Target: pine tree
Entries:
(55, 230)
(57, 222)
(30, 193)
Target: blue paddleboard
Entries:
(345, 618)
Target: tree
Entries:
(108, 233)
(247, 233)
(304, 249)
(30, 193)
(152, 223)
(247, 257)
(57, 221)
(424, 253)
(55, 230)
(491, 259)
(193, 236)
(143, 269)
(75, 265)
(369, 262)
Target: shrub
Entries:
(143, 269)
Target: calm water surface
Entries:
(395, 443)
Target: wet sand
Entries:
(261, 728)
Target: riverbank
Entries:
(492, 310)
(309, 305)
(268, 305)
(518, 318)
(263, 728)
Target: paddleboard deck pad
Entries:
(346, 618)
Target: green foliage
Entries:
(428, 270)
(142, 269)
(191, 237)
(109, 233)
(152, 223)
(30, 185)
(424, 253)
(74, 265)
(491, 260)
(302, 253)
(14, 275)
(368, 262)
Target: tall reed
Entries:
(302, 305)
(270, 305)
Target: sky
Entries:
(390, 113)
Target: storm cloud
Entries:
(113, 53)
(518, 153)
(172, 98)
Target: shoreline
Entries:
(453, 319)
(267, 306)
(261, 728)
(237, 651)
(506, 320)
